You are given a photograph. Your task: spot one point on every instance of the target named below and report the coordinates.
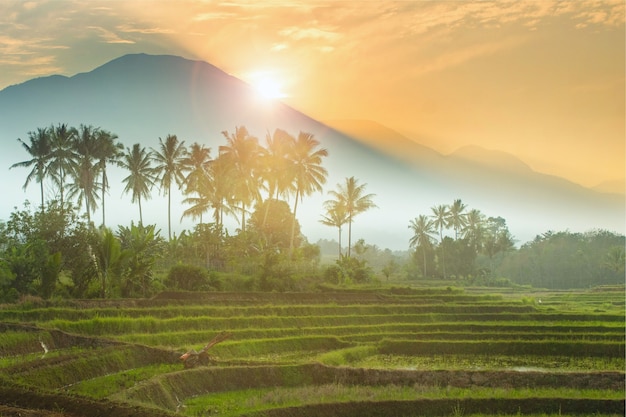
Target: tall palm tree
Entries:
(241, 154)
(336, 216)
(440, 221)
(352, 197)
(64, 157)
(474, 229)
(141, 175)
(197, 165)
(107, 150)
(457, 218)
(307, 171)
(169, 169)
(40, 149)
(85, 187)
(275, 166)
(220, 194)
(423, 229)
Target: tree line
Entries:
(56, 249)
(474, 234)
(246, 180)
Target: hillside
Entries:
(143, 97)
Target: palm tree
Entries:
(422, 237)
(220, 195)
(457, 218)
(275, 166)
(474, 229)
(197, 165)
(307, 171)
(64, 157)
(40, 149)
(85, 187)
(141, 177)
(351, 196)
(241, 155)
(107, 150)
(168, 169)
(336, 216)
(440, 220)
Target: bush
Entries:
(187, 278)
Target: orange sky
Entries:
(543, 80)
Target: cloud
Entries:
(109, 36)
(213, 16)
(126, 28)
(298, 33)
(459, 56)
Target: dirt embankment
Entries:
(26, 402)
(166, 389)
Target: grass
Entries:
(490, 362)
(246, 401)
(369, 342)
(110, 384)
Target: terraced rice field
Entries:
(399, 352)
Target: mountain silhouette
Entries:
(143, 97)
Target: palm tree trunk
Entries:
(88, 209)
(41, 189)
(443, 254)
(424, 252)
(169, 216)
(339, 242)
(349, 234)
(140, 215)
(293, 223)
(103, 189)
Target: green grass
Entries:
(281, 342)
(110, 384)
(235, 403)
(490, 362)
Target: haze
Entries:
(542, 80)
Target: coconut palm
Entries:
(197, 165)
(85, 187)
(456, 217)
(474, 229)
(352, 197)
(336, 216)
(275, 166)
(63, 159)
(219, 194)
(141, 175)
(107, 150)
(306, 170)
(423, 229)
(440, 221)
(40, 150)
(169, 169)
(241, 154)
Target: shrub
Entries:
(187, 277)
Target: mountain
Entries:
(143, 97)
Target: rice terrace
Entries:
(388, 351)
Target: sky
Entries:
(542, 80)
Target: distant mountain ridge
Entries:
(143, 97)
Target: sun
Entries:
(267, 85)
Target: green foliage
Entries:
(187, 278)
(350, 270)
(272, 222)
(567, 260)
(143, 246)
